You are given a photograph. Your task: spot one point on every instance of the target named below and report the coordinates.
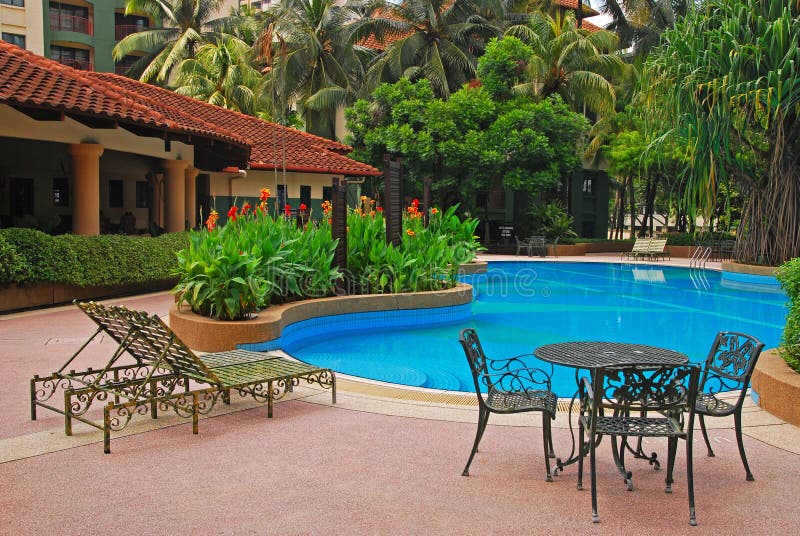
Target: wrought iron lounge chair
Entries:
(511, 387)
(618, 402)
(162, 363)
(729, 365)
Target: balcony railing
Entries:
(81, 65)
(71, 23)
(121, 31)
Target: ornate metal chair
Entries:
(729, 365)
(638, 401)
(511, 387)
(523, 245)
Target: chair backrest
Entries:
(149, 340)
(476, 358)
(730, 362)
(641, 244)
(665, 389)
(658, 245)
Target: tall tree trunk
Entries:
(632, 201)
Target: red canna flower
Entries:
(303, 207)
(264, 194)
(245, 208)
(287, 210)
(415, 202)
(379, 209)
(232, 213)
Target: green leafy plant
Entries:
(789, 276)
(13, 268)
(553, 221)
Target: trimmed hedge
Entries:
(789, 276)
(87, 260)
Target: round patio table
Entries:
(590, 355)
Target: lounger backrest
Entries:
(641, 244)
(658, 245)
(149, 339)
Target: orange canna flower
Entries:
(434, 210)
(264, 194)
(409, 232)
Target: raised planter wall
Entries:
(777, 387)
(208, 335)
(29, 295)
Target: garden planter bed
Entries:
(40, 294)
(681, 252)
(777, 387)
(209, 335)
(566, 250)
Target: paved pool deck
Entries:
(383, 460)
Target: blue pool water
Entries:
(519, 306)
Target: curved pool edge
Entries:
(208, 335)
(777, 387)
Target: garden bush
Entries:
(789, 276)
(254, 260)
(13, 268)
(92, 260)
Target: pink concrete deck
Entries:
(348, 469)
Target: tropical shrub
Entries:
(13, 268)
(553, 221)
(789, 276)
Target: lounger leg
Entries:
(333, 388)
(737, 419)
(483, 418)
(705, 436)
(269, 399)
(153, 401)
(67, 412)
(107, 428)
(33, 397)
(545, 440)
(195, 414)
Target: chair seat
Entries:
(708, 404)
(517, 401)
(636, 426)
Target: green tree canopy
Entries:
(726, 82)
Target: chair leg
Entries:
(672, 447)
(581, 454)
(483, 418)
(737, 419)
(705, 436)
(690, 479)
(593, 470)
(546, 439)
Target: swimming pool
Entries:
(519, 306)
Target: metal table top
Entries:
(590, 355)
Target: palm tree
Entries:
(640, 23)
(184, 27)
(726, 78)
(575, 63)
(221, 73)
(438, 40)
(310, 60)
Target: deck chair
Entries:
(657, 249)
(161, 363)
(640, 249)
(638, 401)
(511, 387)
(728, 368)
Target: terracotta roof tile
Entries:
(573, 5)
(29, 80)
(304, 152)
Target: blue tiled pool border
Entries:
(313, 328)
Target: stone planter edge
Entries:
(209, 335)
(777, 387)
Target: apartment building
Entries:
(21, 24)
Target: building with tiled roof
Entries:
(81, 151)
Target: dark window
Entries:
(14, 39)
(70, 18)
(115, 196)
(20, 3)
(305, 195)
(125, 63)
(141, 194)
(327, 193)
(125, 25)
(60, 192)
(77, 58)
(21, 197)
